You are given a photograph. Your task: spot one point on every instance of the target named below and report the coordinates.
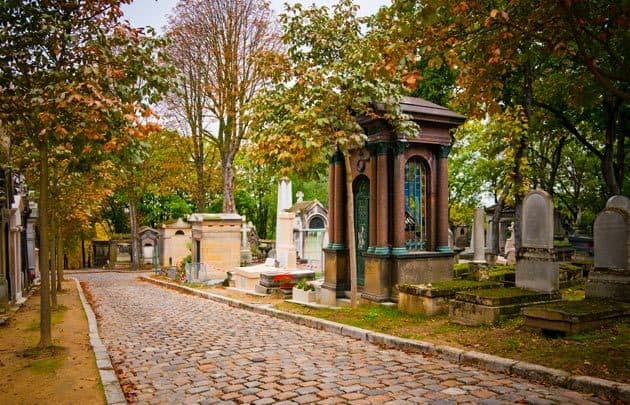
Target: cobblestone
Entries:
(178, 348)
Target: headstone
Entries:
(537, 220)
(610, 277)
(299, 196)
(535, 267)
(619, 201)
(478, 236)
(451, 244)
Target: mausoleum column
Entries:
(382, 243)
(331, 203)
(442, 199)
(398, 200)
(373, 201)
(340, 226)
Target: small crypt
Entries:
(309, 230)
(149, 238)
(175, 242)
(400, 187)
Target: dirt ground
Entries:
(67, 377)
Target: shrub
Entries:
(304, 285)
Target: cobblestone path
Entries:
(175, 348)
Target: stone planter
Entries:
(171, 273)
(304, 296)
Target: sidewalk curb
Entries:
(529, 371)
(113, 392)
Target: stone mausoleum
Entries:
(400, 188)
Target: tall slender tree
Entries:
(216, 45)
(72, 75)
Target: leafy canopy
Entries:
(336, 66)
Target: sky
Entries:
(155, 12)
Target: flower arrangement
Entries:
(284, 280)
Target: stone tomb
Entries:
(537, 274)
(248, 277)
(216, 240)
(400, 193)
(269, 281)
(174, 243)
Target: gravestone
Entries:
(619, 201)
(536, 268)
(610, 277)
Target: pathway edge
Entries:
(111, 386)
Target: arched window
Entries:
(180, 232)
(316, 223)
(416, 204)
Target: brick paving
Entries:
(170, 348)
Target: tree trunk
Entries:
(133, 224)
(352, 249)
(496, 217)
(45, 321)
(200, 200)
(60, 262)
(53, 261)
(519, 157)
(227, 169)
(608, 163)
(82, 252)
(555, 165)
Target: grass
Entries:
(603, 353)
(46, 366)
(56, 316)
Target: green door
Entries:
(361, 224)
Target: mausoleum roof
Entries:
(421, 109)
(303, 206)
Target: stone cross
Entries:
(300, 196)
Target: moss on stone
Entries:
(505, 293)
(462, 285)
(588, 306)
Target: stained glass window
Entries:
(416, 204)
